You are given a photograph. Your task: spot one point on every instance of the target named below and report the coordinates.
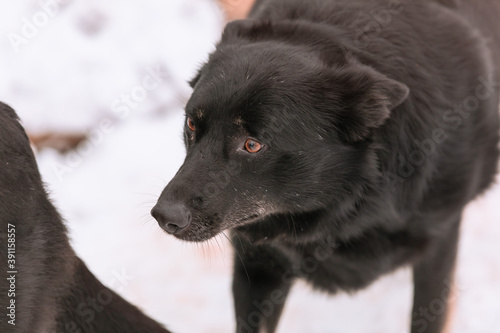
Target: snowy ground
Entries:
(73, 72)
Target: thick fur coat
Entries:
(338, 141)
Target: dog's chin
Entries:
(195, 236)
(199, 233)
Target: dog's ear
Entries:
(237, 29)
(234, 31)
(195, 79)
(367, 100)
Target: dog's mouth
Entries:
(197, 233)
(203, 230)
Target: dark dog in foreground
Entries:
(338, 141)
(49, 289)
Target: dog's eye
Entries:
(190, 124)
(253, 146)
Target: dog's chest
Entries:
(330, 268)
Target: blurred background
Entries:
(100, 87)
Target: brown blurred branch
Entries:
(62, 142)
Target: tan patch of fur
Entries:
(236, 9)
(450, 315)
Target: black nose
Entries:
(172, 217)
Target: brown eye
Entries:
(190, 124)
(253, 146)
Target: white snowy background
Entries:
(70, 73)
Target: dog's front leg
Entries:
(261, 282)
(433, 283)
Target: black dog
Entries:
(338, 141)
(49, 289)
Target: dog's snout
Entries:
(172, 217)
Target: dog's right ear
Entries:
(365, 99)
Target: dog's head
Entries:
(272, 129)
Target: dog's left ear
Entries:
(233, 32)
(367, 100)
(195, 79)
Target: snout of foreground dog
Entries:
(49, 288)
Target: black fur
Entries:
(379, 121)
(54, 290)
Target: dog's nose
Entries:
(172, 217)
